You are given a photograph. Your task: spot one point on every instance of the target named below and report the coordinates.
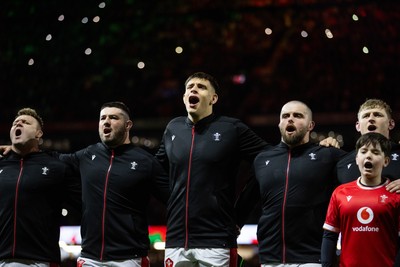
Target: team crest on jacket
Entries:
(169, 263)
(312, 156)
(45, 170)
(383, 198)
(395, 156)
(217, 137)
(133, 165)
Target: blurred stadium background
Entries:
(65, 58)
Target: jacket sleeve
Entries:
(397, 261)
(72, 201)
(248, 201)
(161, 154)
(250, 144)
(160, 182)
(328, 248)
(72, 160)
(72, 186)
(338, 155)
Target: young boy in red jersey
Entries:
(364, 212)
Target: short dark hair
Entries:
(30, 112)
(117, 104)
(204, 76)
(374, 139)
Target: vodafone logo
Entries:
(365, 215)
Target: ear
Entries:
(358, 126)
(214, 99)
(391, 124)
(128, 125)
(39, 134)
(311, 125)
(387, 160)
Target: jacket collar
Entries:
(13, 155)
(296, 148)
(202, 122)
(122, 147)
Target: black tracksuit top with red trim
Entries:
(116, 187)
(203, 161)
(295, 186)
(32, 191)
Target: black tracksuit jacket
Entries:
(116, 187)
(203, 161)
(295, 186)
(347, 169)
(32, 191)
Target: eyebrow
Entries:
(372, 112)
(199, 84)
(294, 113)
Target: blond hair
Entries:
(376, 103)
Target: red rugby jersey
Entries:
(368, 219)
